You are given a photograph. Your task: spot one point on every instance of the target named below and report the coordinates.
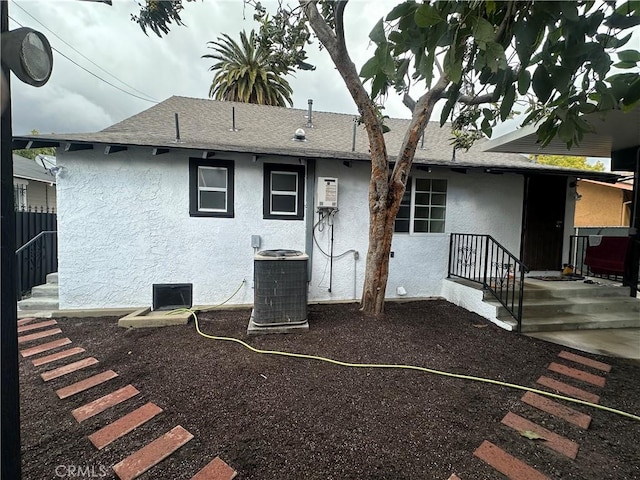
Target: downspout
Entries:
(310, 194)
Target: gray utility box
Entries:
(280, 288)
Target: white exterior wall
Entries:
(124, 225)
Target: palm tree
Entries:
(246, 74)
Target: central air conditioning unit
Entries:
(280, 291)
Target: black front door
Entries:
(544, 222)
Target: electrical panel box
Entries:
(327, 192)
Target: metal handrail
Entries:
(33, 240)
(484, 260)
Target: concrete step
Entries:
(576, 305)
(573, 290)
(580, 322)
(52, 277)
(47, 290)
(38, 304)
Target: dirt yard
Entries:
(280, 418)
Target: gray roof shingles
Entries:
(30, 170)
(207, 125)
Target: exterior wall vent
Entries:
(280, 288)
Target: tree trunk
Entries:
(385, 191)
(382, 215)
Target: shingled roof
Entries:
(266, 130)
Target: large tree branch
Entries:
(339, 19)
(410, 103)
(421, 115)
(338, 52)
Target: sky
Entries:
(104, 40)
(74, 101)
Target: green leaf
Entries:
(569, 11)
(625, 65)
(401, 10)
(452, 67)
(622, 21)
(507, 102)
(377, 35)
(370, 68)
(633, 94)
(496, 58)
(565, 131)
(426, 15)
(609, 41)
(524, 82)
(483, 31)
(531, 435)
(629, 56)
(542, 85)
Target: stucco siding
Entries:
(600, 206)
(124, 225)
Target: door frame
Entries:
(525, 227)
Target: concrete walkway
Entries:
(618, 342)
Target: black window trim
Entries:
(194, 164)
(269, 168)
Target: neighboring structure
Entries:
(34, 186)
(144, 202)
(603, 204)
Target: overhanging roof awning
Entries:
(615, 131)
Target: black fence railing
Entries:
(481, 259)
(626, 271)
(578, 245)
(37, 248)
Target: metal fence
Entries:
(481, 259)
(37, 247)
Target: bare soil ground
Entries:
(280, 418)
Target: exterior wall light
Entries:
(28, 54)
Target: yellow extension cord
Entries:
(392, 366)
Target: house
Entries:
(34, 186)
(603, 204)
(188, 190)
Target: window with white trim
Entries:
(284, 192)
(423, 206)
(211, 188)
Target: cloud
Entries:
(75, 101)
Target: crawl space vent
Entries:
(169, 296)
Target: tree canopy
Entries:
(245, 73)
(480, 58)
(32, 153)
(568, 162)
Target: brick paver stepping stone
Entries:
(124, 425)
(581, 375)
(27, 352)
(557, 409)
(216, 469)
(35, 336)
(552, 440)
(35, 326)
(57, 356)
(24, 321)
(102, 403)
(69, 368)
(507, 464)
(86, 384)
(136, 464)
(589, 362)
(568, 389)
